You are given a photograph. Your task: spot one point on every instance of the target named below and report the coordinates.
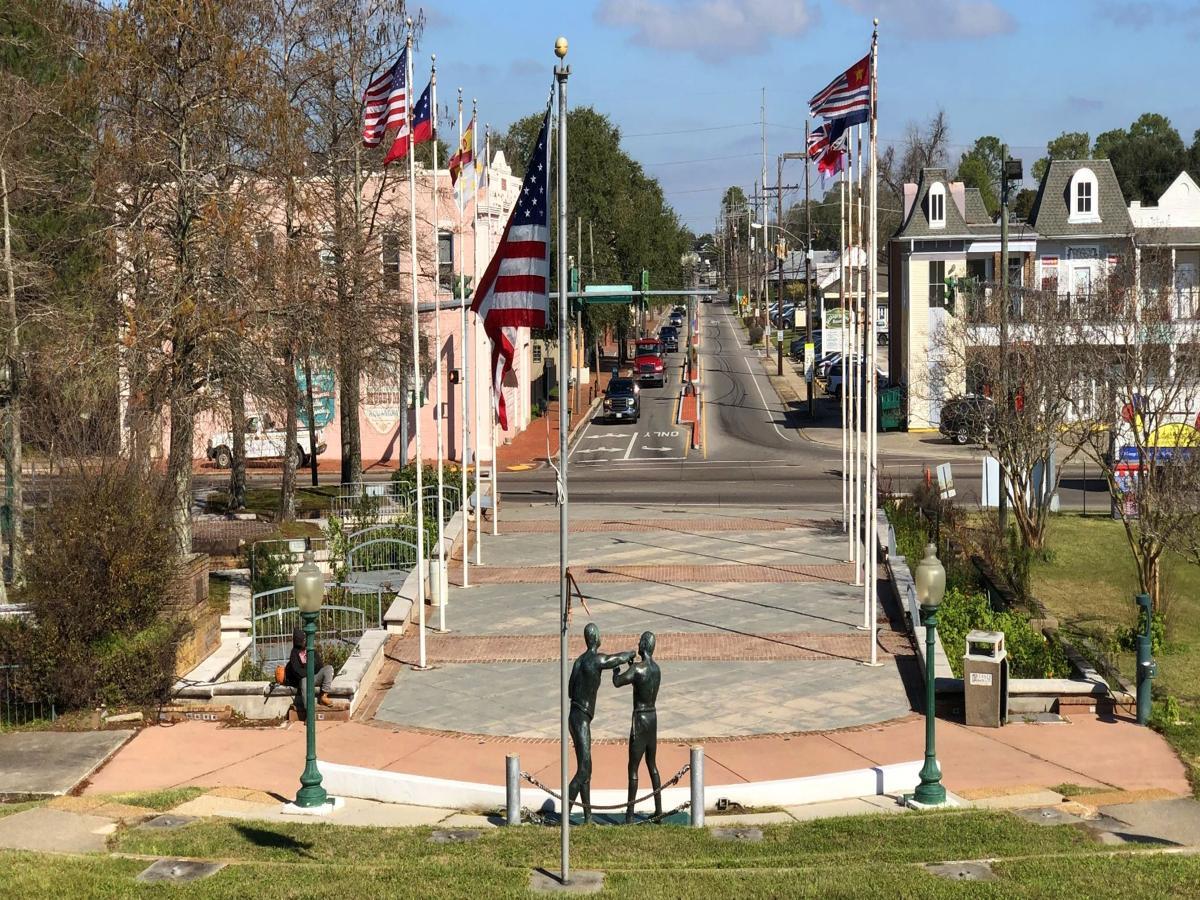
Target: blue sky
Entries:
(1024, 70)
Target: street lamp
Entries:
(930, 579)
(309, 588)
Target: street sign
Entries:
(945, 481)
(608, 293)
(810, 362)
(645, 279)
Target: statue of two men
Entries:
(584, 685)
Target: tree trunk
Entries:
(312, 419)
(237, 428)
(291, 403)
(12, 456)
(179, 464)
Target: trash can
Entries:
(891, 409)
(985, 679)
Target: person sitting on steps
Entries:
(297, 672)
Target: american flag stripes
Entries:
(385, 102)
(514, 290)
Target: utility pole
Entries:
(779, 262)
(1003, 498)
(766, 300)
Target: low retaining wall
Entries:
(421, 790)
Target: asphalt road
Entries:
(755, 448)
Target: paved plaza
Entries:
(755, 614)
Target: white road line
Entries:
(583, 434)
(601, 450)
(766, 406)
(629, 449)
(601, 437)
(658, 449)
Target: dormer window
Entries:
(937, 206)
(1083, 199)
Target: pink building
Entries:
(461, 249)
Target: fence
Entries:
(283, 555)
(387, 501)
(349, 610)
(20, 702)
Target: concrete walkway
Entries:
(52, 763)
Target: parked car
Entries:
(263, 441)
(971, 417)
(825, 363)
(833, 386)
(669, 335)
(622, 401)
(648, 363)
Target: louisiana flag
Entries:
(465, 154)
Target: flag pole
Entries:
(847, 525)
(860, 388)
(437, 357)
(475, 345)
(466, 371)
(561, 73)
(872, 438)
(416, 353)
(850, 372)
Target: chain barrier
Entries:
(674, 779)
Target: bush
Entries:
(1126, 637)
(100, 585)
(1030, 654)
(270, 569)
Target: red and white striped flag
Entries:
(514, 290)
(385, 102)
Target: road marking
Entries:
(658, 449)
(601, 450)
(629, 449)
(766, 406)
(601, 437)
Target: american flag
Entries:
(846, 97)
(513, 291)
(385, 102)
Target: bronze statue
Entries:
(643, 733)
(584, 684)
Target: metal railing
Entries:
(20, 701)
(349, 610)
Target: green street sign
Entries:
(608, 293)
(645, 279)
(574, 278)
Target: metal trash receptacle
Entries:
(985, 679)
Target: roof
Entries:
(1168, 237)
(977, 213)
(1052, 207)
(968, 221)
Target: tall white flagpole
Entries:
(561, 72)
(850, 374)
(860, 382)
(437, 358)
(416, 354)
(466, 366)
(873, 440)
(845, 364)
(487, 146)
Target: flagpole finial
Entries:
(560, 48)
(877, 23)
(408, 22)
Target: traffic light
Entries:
(455, 376)
(645, 279)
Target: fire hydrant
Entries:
(1147, 669)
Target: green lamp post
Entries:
(309, 586)
(930, 580)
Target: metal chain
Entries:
(670, 783)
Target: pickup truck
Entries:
(263, 441)
(648, 363)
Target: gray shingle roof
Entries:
(1168, 237)
(976, 223)
(1052, 207)
(977, 213)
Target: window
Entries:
(391, 258)
(1083, 200)
(937, 206)
(937, 283)
(445, 260)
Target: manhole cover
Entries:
(963, 871)
(454, 836)
(179, 870)
(747, 835)
(1048, 815)
(167, 820)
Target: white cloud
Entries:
(707, 26)
(938, 19)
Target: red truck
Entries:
(648, 363)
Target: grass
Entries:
(265, 500)
(7, 809)
(218, 593)
(162, 800)
(1088, 583)
(849, 857)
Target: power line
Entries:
(689, 130)
(680, 162)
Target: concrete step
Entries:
(324, 714)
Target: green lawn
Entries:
(1089, 583)
(266, 499)
(850, 857)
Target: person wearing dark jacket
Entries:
(297, 672)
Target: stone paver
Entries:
(665, 574)
(49, 763)
(731, 647)
(697, 699)
(55, 831)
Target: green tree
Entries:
(1147, 157)
(980, 167)
(1068, 145)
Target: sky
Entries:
(683, 79)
